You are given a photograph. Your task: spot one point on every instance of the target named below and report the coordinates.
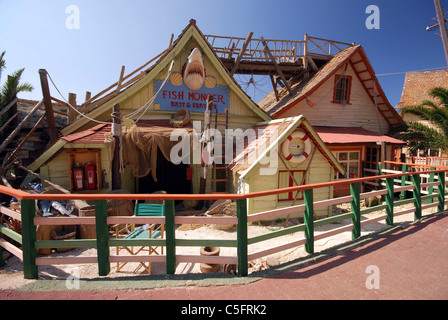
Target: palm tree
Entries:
(422, 136)
(11, 88)
(12, 85)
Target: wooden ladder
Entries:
(220, 175)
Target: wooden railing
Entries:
(29, 220)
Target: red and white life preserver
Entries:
(286, 145)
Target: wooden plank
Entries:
(137, 258)
(65, 261)
(266, 252)
(19, 127)
(275, 213)
(207, 259)
(11, 213)
(11, 248)
(206, 220)
(240, 55)
(280, 73)
(48, 105)
(8, 106)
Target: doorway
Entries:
(171, 178)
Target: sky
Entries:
(87, 53)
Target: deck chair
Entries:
(144, 232)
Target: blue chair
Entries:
(144, 232)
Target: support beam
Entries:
(48, 105)
(277, 68)
(240, 55)
(116, 161)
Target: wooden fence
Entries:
(393, 185)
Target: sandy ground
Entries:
(11, 275)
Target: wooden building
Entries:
(149, 100)
(347, 107)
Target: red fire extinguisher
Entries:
(91, 176)
(78, 175)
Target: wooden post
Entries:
(72, 113)
(116, 161)
(431, 189)
(240, 55)
(356, 210)
(404, 169)
(48, 105)
(441, 191)
(28, 210)
(242, 237)
(102, 237)
(309, 220)
(390, 201)
(170, 229)
(417, 197)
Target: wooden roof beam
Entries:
(280, 73)
(240, 55)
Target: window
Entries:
(285, 180)
(349, 160)
(342, 89)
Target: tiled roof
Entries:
(344, 135)
(417, 85)
(92, 135)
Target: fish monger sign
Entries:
(173, 98)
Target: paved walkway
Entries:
(408, 262)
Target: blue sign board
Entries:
(173, 98)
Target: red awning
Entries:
(343, 135)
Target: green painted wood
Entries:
(170, 229)
(404, 169)
(276, 233)
(28, 211)
(356, 210)
(102, 237)
(137, 242)
(206, 243)
(417, 197)
(309, 220)
(441, 191)
(390, 201)
(373, 209)
(78, 243)
(11, 234)
(242, 249)
(333, 219)
(431, 189)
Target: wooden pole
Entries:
(48, 105)
(72, 113)
(116, 161)
(242, 237)
(442, 26)
(102, 237)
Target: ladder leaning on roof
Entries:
(219, 170)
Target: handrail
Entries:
(79, 196)
(102, 222)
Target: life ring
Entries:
(286, 145)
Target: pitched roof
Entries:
(344, 135)
(417, 85)
(191, 31)
(303, 88)
(243, 162)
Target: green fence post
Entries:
(309, 220)
(417, 197)
(441, 191)
(404, 169)
(28, 211)
(170, 231)
(356, 210)
(102, 237)
(241, 206)
(431, 189)
(390, 201)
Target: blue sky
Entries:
(113, 33)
